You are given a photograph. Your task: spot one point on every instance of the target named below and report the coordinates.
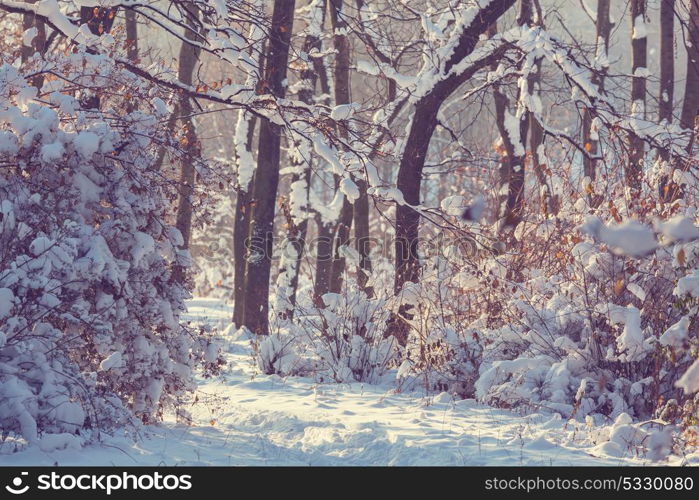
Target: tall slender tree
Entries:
(603, 27)
(38, 43)
(261, 238)
(639, 64)
(342, 96)
(297, 209)
(690, 105)
(422, 126)
(188, 59)
(666, 90)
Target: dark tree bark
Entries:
(99, 20)
(690, 105)
(297, 231)
(342, 96)
(667, 84)
(603, 27)
(639, 45)
(424, 122)
(38, 44)
(131, 36)
(241, 231)
(267, 175)
(241, 223)
(667, 60)
(324, 259)
(512, 165)
(362, 242)
(361, 235)
(189, 56)
(324, 244)
(131, 26)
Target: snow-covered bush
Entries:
(350, 339)
(597, 331)
(443, 352)
(89, 309)
(342, 340)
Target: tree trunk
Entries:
(131, 36)
(324, 259)
(99, 20)
(131, 26)
(287, 283)
(690, 106)
(325, 229)
(667, 61)
(512, 163)
(241, 225)
(38, 43)
(244, 137)
(189, 56)
(361, 236)
(639, 44)
(603, 28)
(667, 85)
(342, 96)
(412, 161)
(264, 193)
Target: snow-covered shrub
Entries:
(349, 337)
(89, 309)
(596, 331)
(443, 352)
(341, 340)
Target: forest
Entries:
(260, 218)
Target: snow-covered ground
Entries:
(245, 419)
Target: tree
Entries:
(261, 237)
(342, 97)
(603, 26)
(423, 123)
(189, 56)
(667, 84)
(639, 44)
(297, 209)
(690, 105)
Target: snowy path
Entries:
(265, 420)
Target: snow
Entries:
(678, 229)
(690, 380)
(113, 360)
(688, 285)
(244, 419)
(7, 299)
(639, 28)
(40, 245)
(86, 144)
(637, 291)
(343, 111)
(350, 189)
(29, 36)
(676, 335)
(512, 127)
(631, 339)
(52, 152)
(627, 238)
